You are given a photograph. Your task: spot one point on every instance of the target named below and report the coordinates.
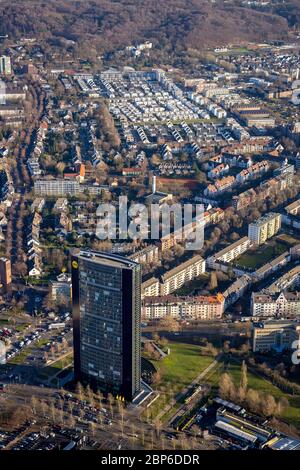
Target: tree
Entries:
(48, 302)
(268, 405)
(213, 283)
(252, 400)
(226, 387)
(244, 377)
(79, 390)
(169, 323)
(282, 405)
(211, 350)
(156, 377)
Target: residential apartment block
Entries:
(264, 228)
(293, 208)
(193, 308)
(230, 253)
(56, 187)
(185, 272)
(151, 287)
(64, 187)
(175, 278)
(61, 288)
(149, 254)
(267, 305)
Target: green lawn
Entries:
(20, 358)
(62, 363)
(255, 258)
(21, 327)
(52, 369)
(41, 343)
(178, 370)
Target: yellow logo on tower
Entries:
(75, 264)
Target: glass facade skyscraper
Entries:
(106, 293)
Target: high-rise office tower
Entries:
(5, 65)
(106, 295)
(5, 272)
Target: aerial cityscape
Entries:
(149, 227)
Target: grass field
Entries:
(52, 369)
(20, 358)
(255, 258)
(178, 370)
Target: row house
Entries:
(34, 256)
(218, 171)
(254, 171)
(221, 185)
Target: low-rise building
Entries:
(175, 278)
(231, 252)
(151, 287)
(56, 187)
(61, 288)
(275, 335)
(38, 204)
(293, 208)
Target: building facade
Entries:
(264, 228)
(175, 278)
(56, 187)
(231, 252)
(284, 304)
(185, 272)
(5, 65)
(202, 307)
(106, 295)
(275, 335)
(5, 272)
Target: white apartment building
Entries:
(174, 279)
(149, 254)
(231, 252)
(151, 288)
(266, 305)
(60, 290)
(293, 208)
(264, 228)
(194, 308)
(185, 272)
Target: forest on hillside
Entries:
(109, 24)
